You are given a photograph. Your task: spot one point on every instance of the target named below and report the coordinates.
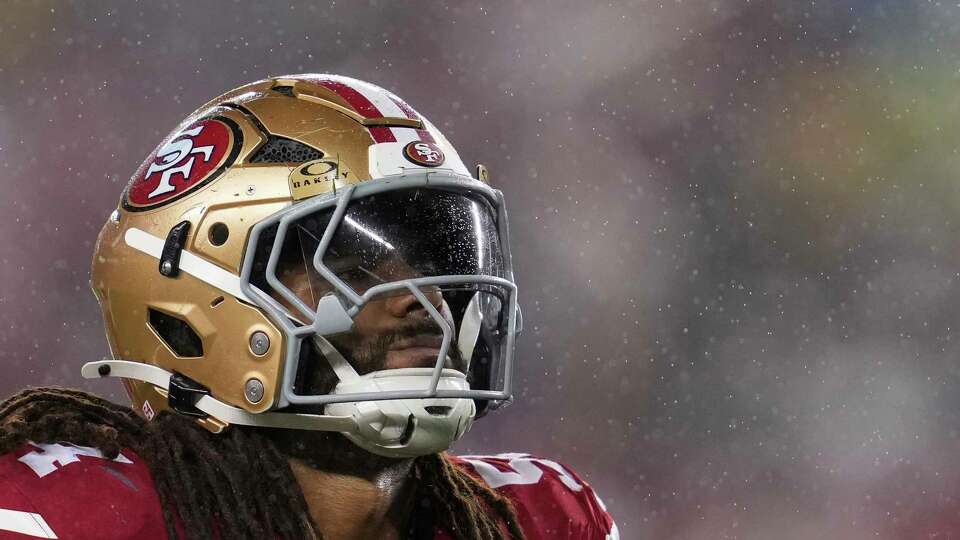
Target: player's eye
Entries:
(340, 265)
(360, 278)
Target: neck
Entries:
(351, 494)
(348, 507)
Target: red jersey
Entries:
(74, 493)
(550, 499)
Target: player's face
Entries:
(389, 332)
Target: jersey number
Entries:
(523, 470)
(46, 458)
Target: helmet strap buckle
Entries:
(170, 256)
(183, 394)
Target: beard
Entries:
(331, 451)
(368, 354)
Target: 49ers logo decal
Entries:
(425, 154)
(190, 159)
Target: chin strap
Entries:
(341, 367)
(160, 378)
(470, 328)
(391, 428)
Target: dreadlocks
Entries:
(236, 483)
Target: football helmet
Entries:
(247, 246)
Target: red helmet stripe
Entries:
(362, 105)
(424, 135)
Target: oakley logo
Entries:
(319, 176)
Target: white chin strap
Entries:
(406, 427)
(469, 328)
(160, 378)
(392, 428)
(399, 427)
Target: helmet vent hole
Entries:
(438, 410)
(285, 90)
(218, 234)
(178, 336)
(283, 150)
(216, 301)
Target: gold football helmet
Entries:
(249, 245)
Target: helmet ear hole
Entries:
(176, 334)
(218, 234)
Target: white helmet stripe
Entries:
(381, 99)
(195, 266)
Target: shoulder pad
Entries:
(550, 499)
(64, 491)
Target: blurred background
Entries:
(735, 226)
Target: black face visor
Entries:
(394, 236)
